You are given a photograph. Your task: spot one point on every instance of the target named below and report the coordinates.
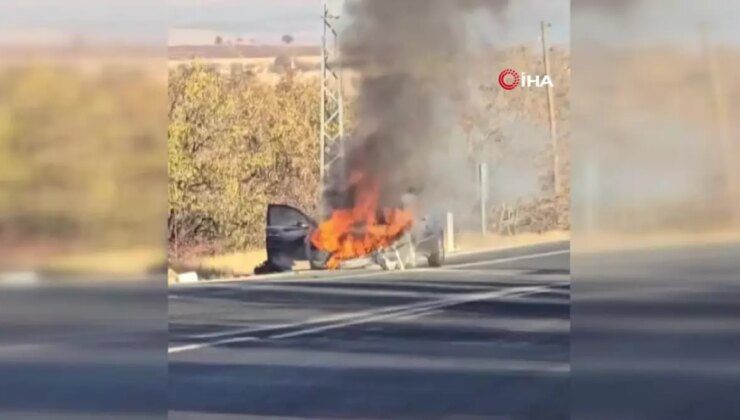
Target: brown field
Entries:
(190, 52)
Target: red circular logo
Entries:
(514, 79)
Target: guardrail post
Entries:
(450, 233)
(483, 185)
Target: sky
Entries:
(265, 21)
(178, 22)
(262, 21)
(160, 22)
(51, 22)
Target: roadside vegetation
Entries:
(238, 141)
(235, 145)
(81, 175)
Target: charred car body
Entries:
(288, 239)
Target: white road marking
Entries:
(327, 290)
(300, 277)
(431, 307)
(349, 276)
(481, 271)
(356, 318)
(313, 276)
(323, 319)
(418, 315)
(450, 267)
(317, 320)
(197, 346)
(487, 251)
(508, 259)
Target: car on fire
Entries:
(288, 232)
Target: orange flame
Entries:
(360, 230)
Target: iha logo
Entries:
(510, 79)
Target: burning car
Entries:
(392, 236)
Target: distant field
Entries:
(189, 52)
(301, 61)
(263, 68)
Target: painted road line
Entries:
(433, 307)
(301, 277)
(319, 278)
(189, 347)
(357, 318)
(313, 276)
(511, 248)
(317, 320)
(342, 317)
(320, 320)
(508, 259)
(339, 289)
(312, 321)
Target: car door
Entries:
(286, 235)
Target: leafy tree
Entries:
(235, 145)
(79, 155)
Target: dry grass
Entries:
(226, 265)
(476, 241)
(615, 241)
(130, 262)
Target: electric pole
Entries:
(551, 112)
(727, 148)
(332, 103)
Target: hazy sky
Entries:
(56, 21)
(265, 21)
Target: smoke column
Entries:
(412, 57)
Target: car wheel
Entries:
(437, 256)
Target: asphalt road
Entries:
(656, 333)
(83, 350)
(486, 336)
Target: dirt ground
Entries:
(467, 242)
(615, 241)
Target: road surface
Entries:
(486, 336)
(83, 350)
(656, 333)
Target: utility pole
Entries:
(332, 103)
(727, 148)
(551, 112)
